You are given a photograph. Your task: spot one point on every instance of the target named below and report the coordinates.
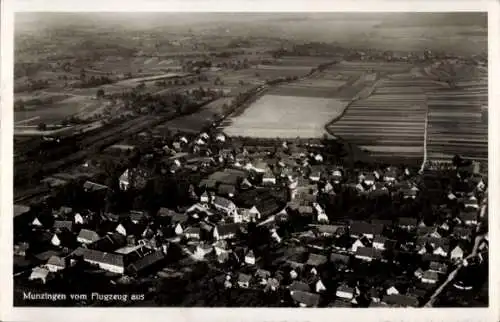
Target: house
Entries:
(368, 180)
(418, 273)
(36, 222)
(339, 259)
(330, 230)
(40, 273)
(430, 277)
(220, 137)
(226, 190)
(374, 295)
(468, 218)
(379, 242)
(145, 262)
(63, 224)
(250, 258)
(457, 253)
(464, 233)
(252, 214)
(21, 249)
(358, 229)
(315, 176)
(305, 299)
(244, 280)
(320, 286)
(438, 267)
(259, 166)
(316, 260)
(109, 243)
(318, 158)
(428, 232)
(80, 219)
(120, 228)
(86, 236)
(337, 176)
(192, 233)
(55, 263)
(471, 203)
(224, 205)
(407, 223)
(204, 198)
(345, 292)
(360, 242)
(107, 261)
(268, 177)
(391, 174)
(226, 231)
(263, 275)
(62, 238)
(90, 186)
(368, 254)
(138, 216)
(398, 300)
(392, 290)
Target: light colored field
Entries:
(274, 116)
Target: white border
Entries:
(8, 313)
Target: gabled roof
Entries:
(430, 275)
(262, 273)
(88, 234)
(110, 242)
(20, 209)
(468, 216)
(244, 278)
(147, 261)
(366, 228)
(379, 239)
(92, 186)
(192, 230)
(345, 288)
(309, 299)
(462, 231)
(369, 252)
(331, 229)
(63, 224)
(100, 257)
(336, 257)
(222, 202)
(226, 229)
(407, 221)
(401, 300)
(138, 215)
(299, 286)
(56, 261)
(316, 259)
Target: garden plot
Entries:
(458, 122)
(274, 116)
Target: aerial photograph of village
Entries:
(250, 159)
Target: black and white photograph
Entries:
(250, 159)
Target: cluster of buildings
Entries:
(318, 264)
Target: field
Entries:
(274, 116)
(458, 122)
(388, 119)
(53, 113)
(195, 122)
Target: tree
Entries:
(100, 93)
(42, 126)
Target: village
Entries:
(287, 222)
